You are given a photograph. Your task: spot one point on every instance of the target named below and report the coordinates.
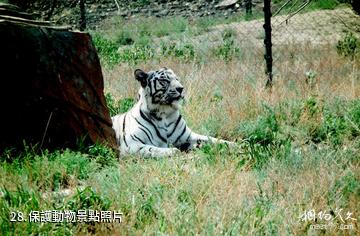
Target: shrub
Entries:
(263, 131)
(120, 106)
(74, 163)
(107, 50)
(124, 38)
(228, 49)
(184, 52)
(349, 46)
(136, 54)
(214, 153)
(335, 127)
(354, 118)
(103, 155)
(170, 26)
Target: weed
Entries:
(204, 23)
(18, 203)
(185, 52)
(354, 118)
(136, 54)
(146, 213)
(228, 50)
(349, 46)
(88, 199)
(107, 50)
(143, 42)
(344, 187)
(104, 156)
(211, 153)
(124, 38)
(120, 106)
(263, 131)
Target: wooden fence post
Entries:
(267, 42)
(82, 15)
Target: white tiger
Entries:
(154, 126)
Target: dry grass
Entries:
(220, 96)
(241, 83)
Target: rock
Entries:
(51, 88)
(164, 12)
(226, 4)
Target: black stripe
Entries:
(155, 83)
(141, 148)
(156, 90)
(182, 133)
(187, 139)
(124, 131)
(156, 130)
(135, 138)
(167, 126)
(185, 146)
(124, 123)
(176, 124)
(150, 85)
(144, 127)
(146, 135)
(139, 139)
(163, 128)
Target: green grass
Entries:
(197, 195)
(324, 4)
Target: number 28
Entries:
(16, 216)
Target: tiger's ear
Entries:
(141, 76)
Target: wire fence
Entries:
(281, 38)
(309, 44)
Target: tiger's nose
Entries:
(179, 89)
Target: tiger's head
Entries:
(160, 89)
